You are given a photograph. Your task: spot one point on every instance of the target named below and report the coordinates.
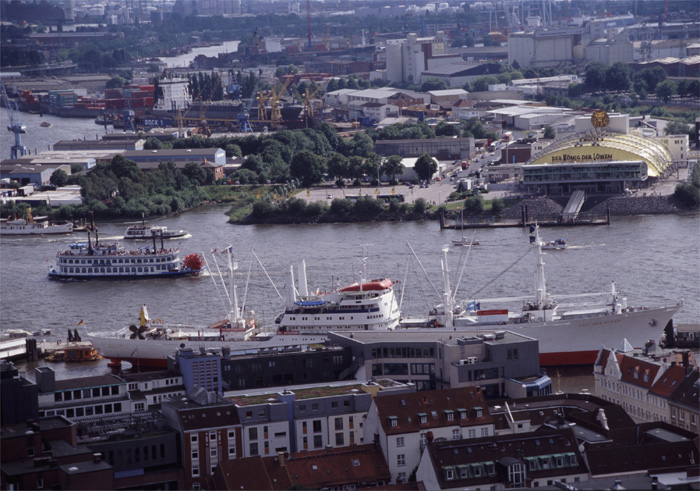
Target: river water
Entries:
(654, 260)
(183, 61)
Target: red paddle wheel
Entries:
(193, 262)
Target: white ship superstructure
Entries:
(571, 337)
(365, 305)
(362, 306)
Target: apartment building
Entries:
(644, 384)
(402, 424)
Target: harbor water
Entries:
(654, 261)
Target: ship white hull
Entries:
(155, 353)
(30, 229)
(577, 341)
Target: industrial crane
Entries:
(308, 96)
(243, 116)
(277, 92)
(18, 150)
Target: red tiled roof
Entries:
(357, 464)
(338, 466)
(436, 406)
(668, 381)
(638, 372)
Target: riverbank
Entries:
(546, 210)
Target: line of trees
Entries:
(619, 77)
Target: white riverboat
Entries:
(98, 260)
(33, 226)
(145, 231)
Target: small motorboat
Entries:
(465, 241)
(554, 244)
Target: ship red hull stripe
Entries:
(568, 358)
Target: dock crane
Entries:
(277, 93)
(244, 116)
(308, 96)
(17, 150)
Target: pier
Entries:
(543, 220)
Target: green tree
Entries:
(617, 77)
(482, 83)
(233, 150)
(59, 178)
(392, 166)
(115, 82)
(337, 165)
(425, 167)
(419, 206)
(549, 132)
(595, 77)
(665, 90)
(433, 83)
(678, 128)
(153, 143)
(474, 204)
(444, 128)
(307, 167)
(688, 194)
(497, 206)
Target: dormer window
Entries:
(462, 413)
(450, 415)
(422, 418)
(393, 421)
(479, 411)
(449, 474)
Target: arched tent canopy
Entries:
(604, 147)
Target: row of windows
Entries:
(125, 456)
(70, 395)
(79, 412)
(403, 352)
(109, 262)
(140, 269)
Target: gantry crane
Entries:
(17, 150)
(277, 93)
(308, 96)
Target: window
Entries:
(195, 471)
(472, 433)
(318, 441)
(253, 433)
(338, 423)
(339, 439)
(212, 435)
(456, 434)
(400, 442)
(449, 474)
(401, 477)
(485, 431)
(317, 426)
(195, 454)
(401, 460)
(253, 449)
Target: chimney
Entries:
(281, 458)
(97, 457)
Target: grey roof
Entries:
(175, 152)
(86, 382)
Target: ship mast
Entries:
(448, 298)
(236, 317)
